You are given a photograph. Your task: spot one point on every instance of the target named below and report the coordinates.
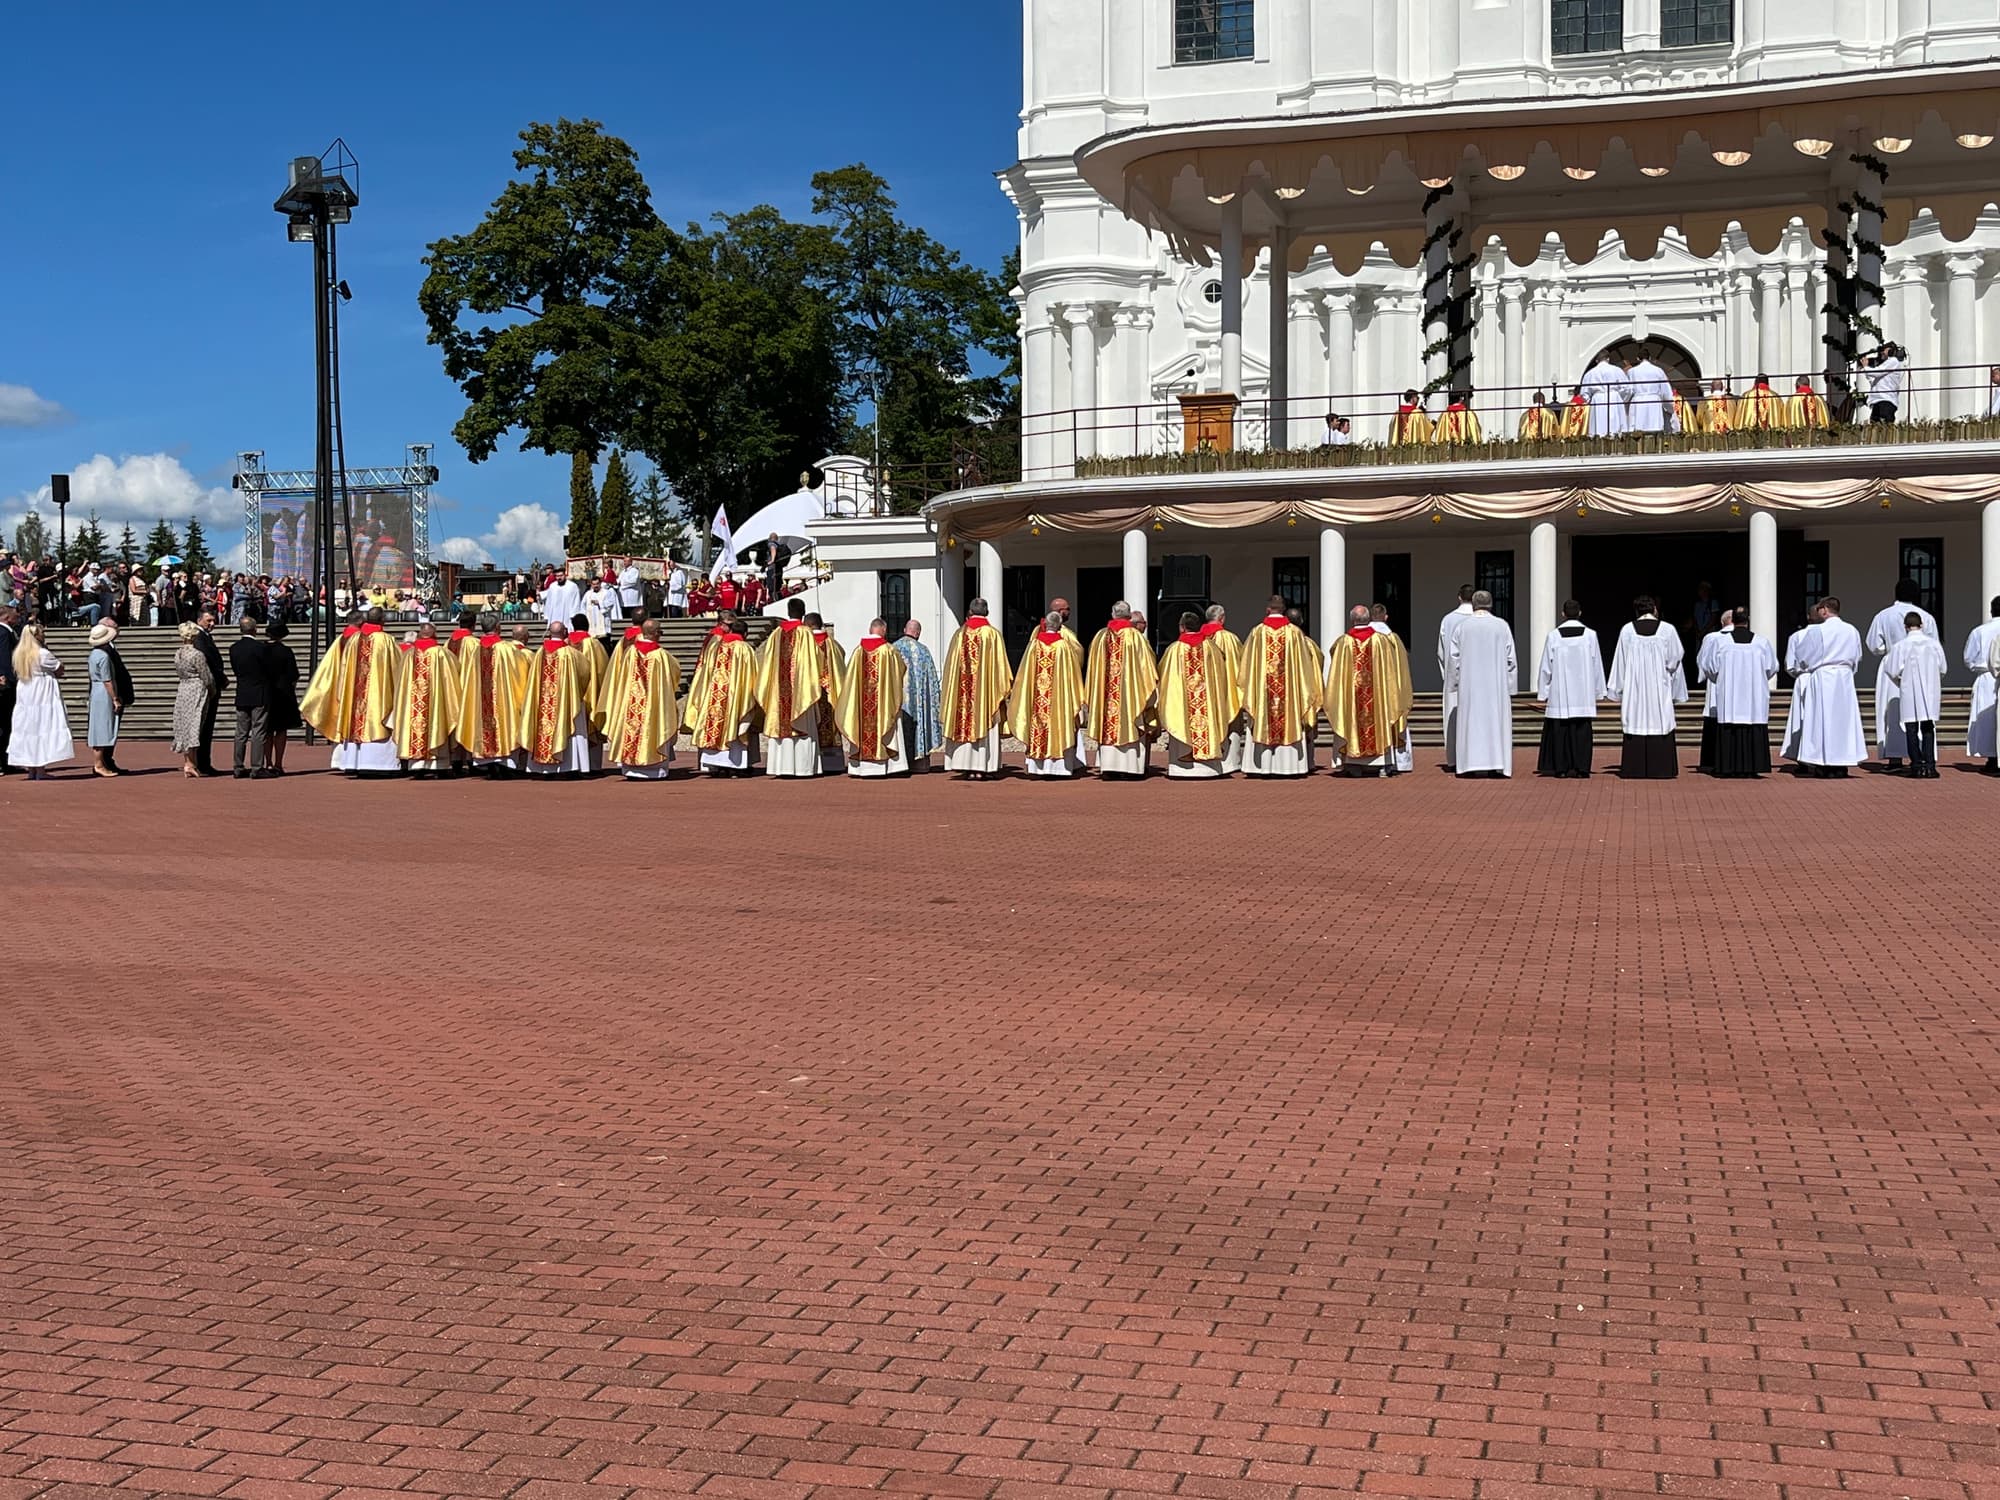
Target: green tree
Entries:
(657, 518)
(614, 506)
(88, 545)
(581, 540)
(535, 307)
(199, 559)
(162, 541)
(128, 548)
(31, 538)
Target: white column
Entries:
(1961, 312)
(1277, 424)
(1135, 571)
(1989, 557)
(1770, 319)
(1232, 295)
(1038, 419)
(1082, 321)
(951, 593)
(1541, 596)
(1764, 574)
(1736, 299)
(1340, 351)
(990, 579)
(1798, 326)
(1511, 362)
(1332, 585)
(1302, 339)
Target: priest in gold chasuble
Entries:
(832, 670)
(977, 678)
(1216, 627)
(426, 705)
(555, 712)
(869, 711)
(352, 696)
(721, 705)
(1118, 689)
(640, 709)
(1198, 702)
(1045, 712)
(493, 677)
(788, 693)
(1367, 696)
(1281, 687)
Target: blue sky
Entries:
(153, 319)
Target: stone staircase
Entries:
(149, 656)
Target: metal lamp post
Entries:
(59, 497)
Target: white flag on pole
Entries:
(725, 555)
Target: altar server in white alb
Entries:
(1981, 737)
(1703, 656)
(1646, 682)
(1481, 677)
(1609, 391)
(1448, 629)
(1885, 633)
(1570, 687)
(1824, 732)
(1738, 665)
(1915, 667)
(1652, 399)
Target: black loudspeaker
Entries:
(1184, 577)
(59, 489)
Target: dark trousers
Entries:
(204, 749)
(1922, 736)
(7, 691)
(252, 730)
(1882, 411)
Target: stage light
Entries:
(343, 291)
(299, 229)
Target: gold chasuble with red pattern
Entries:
(870, 700)
(832, 672)
(1576, 418)
(977, 678)
(1197, 695)
(1119, 685)
(1368, 693)
(788, 678)
(1761, 410)
(492, 682)
(723, 695)
(1412, 425)
(555, 697)
(426, 701)
(1458, 424)
(353, 690)
(1806, 410)
(1047, 704)
(1280, 682)
(641, 710)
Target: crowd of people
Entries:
(138, 595)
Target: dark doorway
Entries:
(1022, 601)
(1097, 589)
(1291, 581)
(1608, 572)
(1392, 590)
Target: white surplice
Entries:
(1739, 676)
(1825, 724)
(1448, 629)
(1885, 633)
(1572, 676)
(1980, 735)
(897, 763)
(794, 755)
(980, 756)
(1652, 400)
(562, 602)
(1646, 680)
(1916, 665)
(1704, 659)
(1610, 396)
(1481, 677)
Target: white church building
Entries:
(1242, 218)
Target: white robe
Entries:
(898, 763)
(631, 589)
(1181, 762)
(1122, 760)
(1980, 736)
(1069, 763)
(1295, 759)
(1825, 725)
(1652, 399)
(1405, 753)
(600, 607)
(1916, 665)
(981, 755)
(578, 755)
(1739, 679)
(1448, 630)
(795, 754)
(1646, 680)
(562, 602)
(1572, 675)
(1704, 658)
(1885, 633)
(1481, 676)
(1610, 395)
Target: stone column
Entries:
(1039, 419)
(1989, 555)
(951, 593)
(1541, 597)
(1741, 326)
(1798, 327)
(1340, 351)
(1277, 420)
(1764, 574)
(1515, 401)
(1964, 385)
(1302, 338)
(1134, 583)
(1332, 585)
(1770, 319)
(1082, 320)
(990, 581)
(1232, 295)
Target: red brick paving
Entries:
(1000, 1141)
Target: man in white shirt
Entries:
(1609, 392)
(561, 601)
(1824, 735)
(1982, 730)
(677, 592)
(1339, 431)
(1646, 681)
(1570, 686)
(1884, 633)
(1448, 629)
(631, 588)
(1915, 665)
(1480, 678)
(1886, 381)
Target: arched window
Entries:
(1580, 26)
(1697, 23)
(1214, 30)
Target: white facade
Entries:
(1112, 319)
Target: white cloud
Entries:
(139, 488)
(20, 406)
(520, 533)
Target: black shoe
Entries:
(240, 774)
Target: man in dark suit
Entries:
(250, 660)
(204, 642)
(10, 637)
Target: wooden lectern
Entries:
(1208, 420)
